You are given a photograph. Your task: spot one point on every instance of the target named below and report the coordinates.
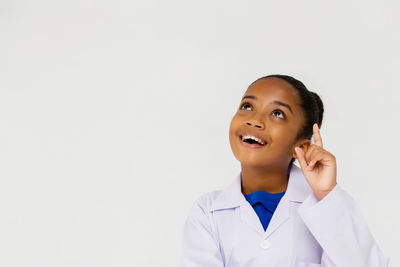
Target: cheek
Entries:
(233, 127)
(283, 138)
(233, 135)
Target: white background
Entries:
(114, 116)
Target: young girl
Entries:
(275, 213)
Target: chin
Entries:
(254, 164)
(255, 161)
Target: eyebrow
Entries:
(273, 102)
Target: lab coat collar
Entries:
(231, 197)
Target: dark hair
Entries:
(310, 102)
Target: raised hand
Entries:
(318, 166)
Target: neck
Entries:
(264, 179)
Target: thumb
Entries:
(301, 158)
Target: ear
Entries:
(303, 144)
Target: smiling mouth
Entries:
(250, 143)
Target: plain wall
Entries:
(114, 116)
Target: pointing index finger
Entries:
(317, 135)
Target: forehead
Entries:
(273, 88)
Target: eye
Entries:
(279, 111)
(245, 104)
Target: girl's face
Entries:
(270, 110)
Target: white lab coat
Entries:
(223, 230)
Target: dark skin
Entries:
(266, 168)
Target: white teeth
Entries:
(254, 138)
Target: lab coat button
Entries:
(265, 244)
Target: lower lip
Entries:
(250, 145)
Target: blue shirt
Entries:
(264, 204)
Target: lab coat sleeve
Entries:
(339, 227)
(200, 246)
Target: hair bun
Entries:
(320, 107)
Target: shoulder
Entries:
(230, 196)
(203, 203)
(199, 217)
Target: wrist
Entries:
(320, 194)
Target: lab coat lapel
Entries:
(249, 216)
(232, 197)
(296, 191)
(280, 216)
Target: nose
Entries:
(255, 123)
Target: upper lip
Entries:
(252, 134)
